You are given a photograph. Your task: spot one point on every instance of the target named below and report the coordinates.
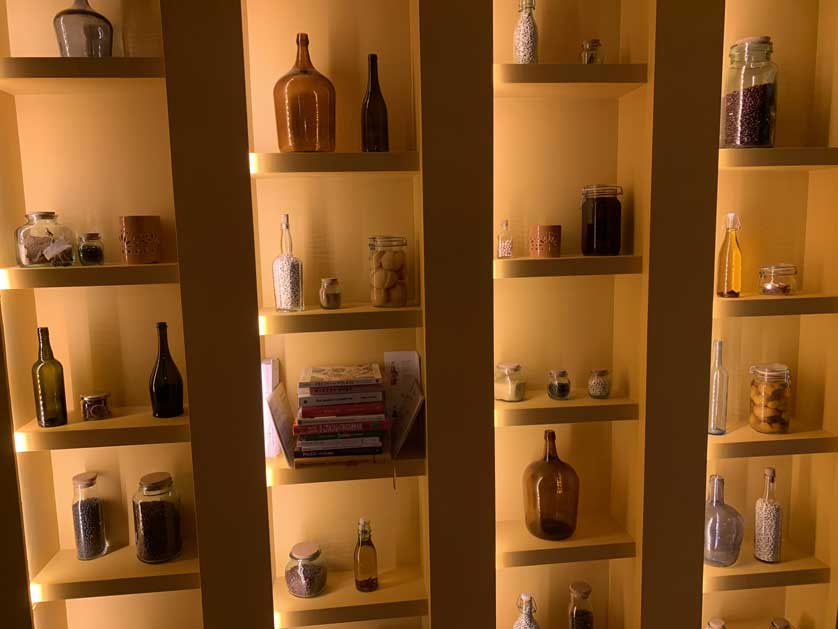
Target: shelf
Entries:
(565, 266)
(401, 594)
(278, 472)
(596, 538)
(128, 427)
(578, 80)
(277, 163)
(104, 275)
(774, 306)
(364, 317)
(803, 158)
(119, 572)
(538, 409)
(53, 75)
(796, 568)
(747, 442)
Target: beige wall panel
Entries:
(816, 372)
(807, 607)
(331, 219)
(114, 160)
(634, 31)
(19, 313)
(51, 615)
(793, 27)
(742, 606)
(38, 509)
(821, 260)
(11, 179)
(165, 610)
(561, 28)
(341, 35)
(391, 623)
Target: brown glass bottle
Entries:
(551, 494)
(374, 132)
(305, 106)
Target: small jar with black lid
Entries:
(91, 249)
(601, 220)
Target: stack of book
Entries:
(342, 417)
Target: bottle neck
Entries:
(163, 341)
(286, 246)
(769, 489)
(717, 355)
(303, 58)
(550, 453)
(717, 490)
(372, 78)
(44, 348)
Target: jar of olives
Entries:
(771, 398)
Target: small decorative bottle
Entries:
(288, 273)
(504, 240)
(591, 53)
(729, 280)
(723, 527)
(366, 559)
(526, 603)
(551, 494)
(374, 131)
(165, 384)
(579, 611)
(717, 424)
(525, 49)
(48, 383)
(82, 32)
(768, 524)
(558, 387)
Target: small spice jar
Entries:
(91, 249)
(43, 241)
(305, 572)
(599, 384)
(771, 398)
(95, 406)
(601, 220)
(329, 293)
(388, 271)
(157, 518)
(778, 279)
(558, 385)
(591, 52)
(510, 385)
(88, 517)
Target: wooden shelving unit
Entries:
(776, 306)
(551, 79)
(57, 75)
(746, 442)
(104, 275)
(779, 158)
(408, 464)
(566, 266)
(538, 408)
(363, 317)
(300, 163)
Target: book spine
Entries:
(307, 421)
(367, 434)
(343, 410)
(316, 454)
(341, 427)
(339, 444)
(340, 390)
(340, 399)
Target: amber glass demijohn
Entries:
(305, 106)
(551, 494)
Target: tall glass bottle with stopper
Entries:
(374, 132)
(526, 603)
(768, 524)
(525, 49)
(366, 559)
(580, 615)
(165, 384)
(723, 527)
(288, 273)
(729, 279)
(551, 494)
(48, 384)
(717, 424)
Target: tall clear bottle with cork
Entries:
(525, 48)
(729, 279)
(768, 523)
(288, 273)
(717, 424)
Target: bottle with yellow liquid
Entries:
(729, 279)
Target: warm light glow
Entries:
(20, 442)
(254, 163)
(269, 474)
(5, 283)
(277, 621)
(495, 413)
(36, 593)
(262, 326)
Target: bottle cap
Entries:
(162, 324)
(283, 220)
(591, 43)
(508, 368)
(85, 479)
(732, 221)
(363, 524)
(770, 473)
(557, 373)
(156, 481)
(580, 589)
(504, 224)
(716, 623)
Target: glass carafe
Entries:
(723, 527)
(82, 32)
(768, 522)
(305, 106)
(551, 494)
(526, 603)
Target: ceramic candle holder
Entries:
(545, 241)
(139, 237)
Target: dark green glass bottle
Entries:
(48, 383)
(165, 384)
(374, 131)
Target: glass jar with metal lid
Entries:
(43, 241)
(95, 406)
(601, 220)
(771, 398)
(157, 518)
(388, 271)
(599, 384)
(305, 572)
(510, 385)
(749, 104)
(88, 517)
(591, 52)
(778, 279)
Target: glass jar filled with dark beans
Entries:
(601, 220)
(157, 518)
(558, 384)
(91, 249)
(749, 104)
(88, 517)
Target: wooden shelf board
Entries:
(53, 75)
(363, 317)
(128, 426)
(119, 572)
(401, 594)
(797, 568)
(278, 163)
(597, 537)
(787, 158)
(103, 275)
(567, 265)
(747, 442)
(774, 306)
(538, 409)
(573, 80)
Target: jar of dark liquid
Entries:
(601, 220)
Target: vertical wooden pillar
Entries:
(208, 128)
(456, 112)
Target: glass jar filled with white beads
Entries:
(525, 43)
(599, 384)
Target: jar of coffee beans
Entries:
(305, 572)
(88, 517)
(157, 518)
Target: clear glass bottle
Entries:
(504, 240)
(717, 424)
(388, 271)
(288, 273)
(330, 293)
(723, 527)
(157, 518)
(771, 398)
(579, 612)
(525, 45)
(305, 106)
(729, 278)
(305, 572)
(768, 523)
(82, 32)
(749, 104)
(527, 606)
(510, 384)
(599, 384)
(591, 52)
(374, 131)
(551, 494)
(366, 559)
(48, 384)
(43, 241)
(558, 385)
(165, 384)
(91, 249)
(88, 517)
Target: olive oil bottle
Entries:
(366, 559)
(729, 280)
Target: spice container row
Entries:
(510, 384)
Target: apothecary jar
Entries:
(749, 104)
(388, 271)
(157, 518)
(305, 572)
(43, 241)
(771, 398)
